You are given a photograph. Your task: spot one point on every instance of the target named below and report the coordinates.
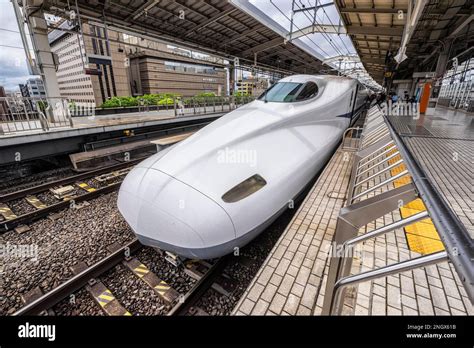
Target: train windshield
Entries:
(288, 92)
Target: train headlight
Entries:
(244, 189)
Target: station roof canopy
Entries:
(217, 27)
(375, 29)
(444, 26)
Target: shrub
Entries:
(241, 94)
(205, 94)
(166, 101)
(149, 99)
(146, 99)
(116, 102)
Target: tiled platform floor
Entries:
(291, 277)
(443, 145)
(292, 280)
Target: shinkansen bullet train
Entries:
(221, 187)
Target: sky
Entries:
(13, 67)
(280, 11)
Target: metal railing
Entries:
(20, 114)
(208, 105)
(381, 150)
(351, 139)
(182, 106)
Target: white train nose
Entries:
(169, 214)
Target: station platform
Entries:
(102, 124)
(292, 280)
(443, 144)
(33, 144)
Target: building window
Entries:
(190, 68)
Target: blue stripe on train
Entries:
(349, 114)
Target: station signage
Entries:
(99, 59)
(89, 71)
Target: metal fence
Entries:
(20, 114)
(208, 105)
(177, 106)
(351, 139)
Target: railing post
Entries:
(350, 220)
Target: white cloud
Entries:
(13, 68)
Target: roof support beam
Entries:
(142, 9)
(351, 58)
(415, 10)
(378, 61)
(461, 26)
(243, 34)
(316, 28)
(371, 10)
(363, 39)
(312, 8)
(377, 31)
(284, 54)
(265, 46)
(210, 20)
(434, 11)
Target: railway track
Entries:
(25, 206)
(173, 302)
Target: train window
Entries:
(281, 92)
(309, 90)
(289, 92)
(244, 189)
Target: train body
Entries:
(221, 187)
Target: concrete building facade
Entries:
(91, 70)
(157, 67)
(158, 73)
(105, 63)
(34, 88)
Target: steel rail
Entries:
(78, 281)
(199, 288)
(8, 225)
(64, 181)
(70, 179)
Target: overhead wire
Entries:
(330, 21)
(284, 14)
(348, 51)
(324, 35)
(11, 31)
(338, 35)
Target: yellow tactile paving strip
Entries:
(421, 236)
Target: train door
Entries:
(354, 100)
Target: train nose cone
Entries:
(168, 214)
